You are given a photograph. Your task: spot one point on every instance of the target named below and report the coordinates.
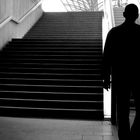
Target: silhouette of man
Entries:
(121, 62)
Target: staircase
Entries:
(55, 71)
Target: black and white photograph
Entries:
(69, 69)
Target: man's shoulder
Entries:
(115, 30)
(122, 27)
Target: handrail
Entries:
(17, 21)
(5, 21)
(27, 13)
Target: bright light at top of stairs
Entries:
(52, 6)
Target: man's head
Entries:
(131, 12)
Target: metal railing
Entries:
(82, 5)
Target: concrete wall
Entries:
(5, 9)
(17, 9)
(20, 7)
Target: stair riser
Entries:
(32, 61)
(55, 44)
(49, 104)
(58, 49)
(51, 70)
(36, 65)
(24, 40)
(52, 82)
(52, 88)
(38, 113)
(51, 76)
(51, 96)
(80, 52)
(40, 56)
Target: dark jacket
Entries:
(122, 55)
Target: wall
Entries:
(17, 9)
(20, 7)
(5, 9)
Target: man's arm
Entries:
(107, 61)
